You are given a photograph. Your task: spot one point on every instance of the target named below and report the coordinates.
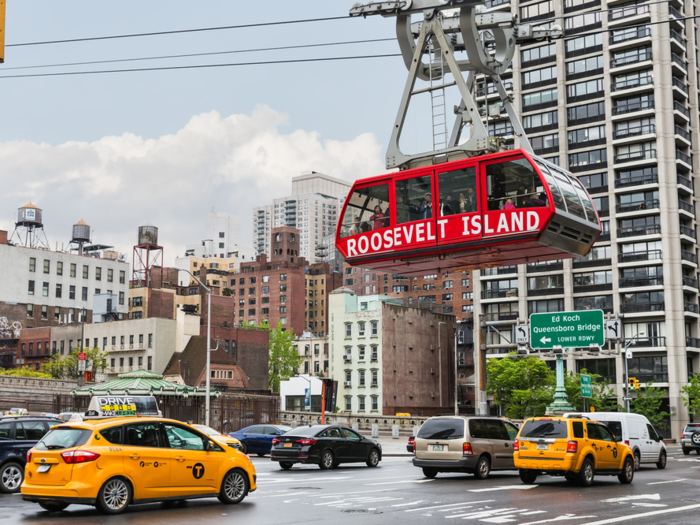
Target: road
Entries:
(397, 492)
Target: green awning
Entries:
(142, 383)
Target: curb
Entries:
(397, 455)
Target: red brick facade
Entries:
(34, 347)
(250, 349)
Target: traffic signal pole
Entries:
(627, 383)
(2, 31)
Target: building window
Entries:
(150, 340)
(45, 289)
(348, 330)
(150, 362)
(122, 277)
(85, 293)
(73, 269)
(32, 264)
(375, 380)
(59, 268)
(121, 298)
(86, 272)
(361, 328)
(348, 403)
(375, 403)
(57, 314)
(283, 277)
(98, 274)
(44, 312)
(375, 327)
(112, 362)
(374, 355)
(47, 266)
(362, 378)
(30, 288)
(110, 275)
(361, 402)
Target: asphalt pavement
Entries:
(397, 492)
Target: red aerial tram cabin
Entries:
(498, 209)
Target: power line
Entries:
(202, 66)
(203, 54)
(179, 31)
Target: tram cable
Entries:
(212, 53)
(203, 66)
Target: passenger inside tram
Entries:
(458, 192)
(413, 199)
(514, 184)
(368, 209)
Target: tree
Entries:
(648, 403)
(284, 357)
(66, 367)
(603, 397)
(227, 292)
(690, 394)
(522, 387)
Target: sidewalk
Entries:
(393, 447)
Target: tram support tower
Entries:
(449, 26)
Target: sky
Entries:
(167, 147)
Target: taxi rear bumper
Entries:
(563, 464)
(59, 499)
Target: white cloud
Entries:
(118, 183)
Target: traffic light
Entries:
(633, 383)
(2, 31)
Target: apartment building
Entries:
(615, 103)
(222, 237)
(40, 288)
(388, 358)
(314, 351)
(312, 208)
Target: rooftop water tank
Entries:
(148, 234)
(29, 215)
(81, 232)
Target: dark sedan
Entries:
(258, 438)
(326, 446)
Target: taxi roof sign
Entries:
(122, 406)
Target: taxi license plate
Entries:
(43, 468)
(287, 444)
(542, 446)
(438, 448)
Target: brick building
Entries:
(249, 348)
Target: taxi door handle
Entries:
(180, 458)
(134, 456)
(609, 446)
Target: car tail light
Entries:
(572, 447)
(305, 442)
(414, 447)
(516, 447)
(683, 435)
(29, 456)
(275, 441)
(466, 449)
(627, 442)
(79, 456)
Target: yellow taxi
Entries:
(113, 462)
(576, 448)
(221, 438)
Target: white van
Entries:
(637, 432)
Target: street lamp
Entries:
(206, 410)
(627, 375)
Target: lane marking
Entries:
(564, 517)
(671, 481)
(406, 504)
(478, 515)
(396, 482)
(505, 487)
(450, 505)
(642, 515)
(640, 504)
(632, 498)
(343, 494)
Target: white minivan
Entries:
(637, 432)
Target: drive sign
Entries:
(567, 329)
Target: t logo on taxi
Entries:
(198, 470)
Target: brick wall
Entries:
(18, 312)
(251, 352)
(161, 304)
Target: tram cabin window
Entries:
(514, 184)
(368, 209)
(458, 192)
(414, 199)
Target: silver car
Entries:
(473, 444)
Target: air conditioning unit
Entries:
(347, 384)
(347, 357)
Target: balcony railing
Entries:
(633, 156)
(690, 232)
(545, 291)
(590, 263)
(650, 342)
(683, 157)
(585, 5)
(632, 83)
(690, 307)
(501, 316)
(651, 378)
(642, 56)
(686, 206)
(679, 61)
(637, 180)
(624, 36)
(692, 342)
(494, 3)
(643, 307)
(500, 293)
(653, 229)
(635, 131)
(677, 106)
(628, 11)
(683, 133)
(649, 204)
(692, 282)
(630, 282)
(621, 109)
(677, 82)
(550, 267)
(592, 287)
(651, 255)
(689, 256)
(673, 11)
(503, 270)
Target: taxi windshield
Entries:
(60, 438)
(544, 429)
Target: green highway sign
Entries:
(586, 388)
(567, 329)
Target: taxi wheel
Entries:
(661, 464)
(114, 496)
(587, 473)
(483, 467)
(528, 476)
(627, 474)
(53, 507)
(11, 477)
(373, 459)
(571, 478)
(286, 465)
(637, 461)
(234, 487)
(327, 460)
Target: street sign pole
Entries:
(561, 401)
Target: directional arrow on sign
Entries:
(546, 340)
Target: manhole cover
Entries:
(305, 488)
(362, 511)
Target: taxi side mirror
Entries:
(208, 445)
(618, 439)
